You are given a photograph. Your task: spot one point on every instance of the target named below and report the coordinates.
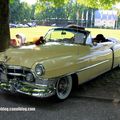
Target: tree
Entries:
(4, 24)
(101, 4)
(4, 14)
(106, 4)
(20, 12)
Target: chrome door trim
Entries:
(89, 67)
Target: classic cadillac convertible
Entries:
(65, 58)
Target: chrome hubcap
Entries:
(64, 86)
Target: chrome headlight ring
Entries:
(39, 69)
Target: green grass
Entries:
(106, 32)
(36, 32)
(30, 33)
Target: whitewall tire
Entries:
(63, 87)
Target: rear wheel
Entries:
(63, 87)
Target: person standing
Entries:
(21, 38)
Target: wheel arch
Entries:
(74, 81)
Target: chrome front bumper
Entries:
(42, 91)
(36, 90)
(12, 78)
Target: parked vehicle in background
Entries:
(11, 25)
(31, 24)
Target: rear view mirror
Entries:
(63, 33)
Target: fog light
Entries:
(30, 77)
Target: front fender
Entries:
(58, 66)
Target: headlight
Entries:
(39, 69)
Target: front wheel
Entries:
(63, 87)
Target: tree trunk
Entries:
(4, 25)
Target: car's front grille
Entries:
(1, 68)
(15, 72)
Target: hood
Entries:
(29, 55)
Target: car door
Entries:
(93, 60)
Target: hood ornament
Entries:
(3, 66)
(4, 61)
(6, 58)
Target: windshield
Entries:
(64, 35)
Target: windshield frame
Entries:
(74, 31)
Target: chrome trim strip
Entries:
(16, 74)
(17, 67)
(14, 67)
(42, 91)
(83, 69)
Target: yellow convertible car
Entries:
(64, 58)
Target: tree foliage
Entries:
(56, 3)
(101, 4)
(67, 11)
(20, 12)
(42, 4)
